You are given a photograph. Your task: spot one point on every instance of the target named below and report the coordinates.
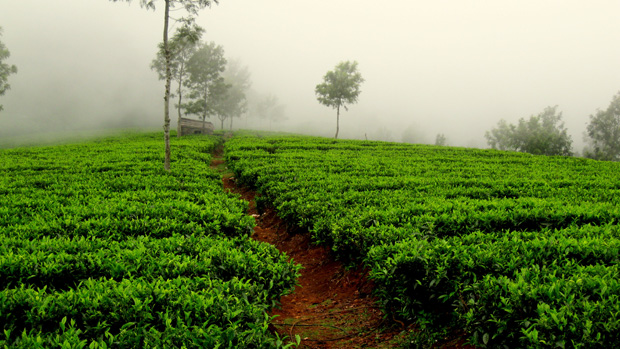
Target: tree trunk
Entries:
(204, 111)
(167, 93)
(222, 120)
(180, 91)
(231, 122)
(337, 121)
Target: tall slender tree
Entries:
(5, 69)
(182, 46)
(192, 7)
(339, 88)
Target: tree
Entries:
(603, 132)
(205, 81)
(182, 47)
(192, 7)
(542, 134)
(441, 139)
(270, 109)
(220, 101)
(238, 77)
(5, 69)
(501, 138)
(414, 134)
(381, 133)
(339, 88)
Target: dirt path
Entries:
(332, 307)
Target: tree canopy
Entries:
(206, 84)
(542, 134)
(238, 78)
(603, 132)
(339, 88)
(5, 69)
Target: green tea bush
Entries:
(517, 250)
(103, 248)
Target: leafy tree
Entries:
(182, 46)
(501, 137)
(270, 109)
(192, 7)
(205, 81)
(413, 134)
(220, 101)
(542, 134)
(381, 133)
(238, 77)
(603, 132)
(339, 88)
(441, 139)
(5, 69)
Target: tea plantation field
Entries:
(101, 248)
(513, 249)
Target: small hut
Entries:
(193, 127)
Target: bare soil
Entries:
(332, 307)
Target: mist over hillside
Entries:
(429, 68)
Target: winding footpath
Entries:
(331, 307)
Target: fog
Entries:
(451, 67)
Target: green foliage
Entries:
(238, 78)
(206, 84)
(102, 248)
(517, 250)
(182, 46)
(191, 7)
(603, 132)
(542, 134)
(5, 69)
(340, 87)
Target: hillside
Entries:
(512, 249)
(103, 248)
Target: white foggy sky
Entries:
(455, 67)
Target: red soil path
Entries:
(332, 307)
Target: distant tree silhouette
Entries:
(603, 132)
(5, 69)
(542, 134)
